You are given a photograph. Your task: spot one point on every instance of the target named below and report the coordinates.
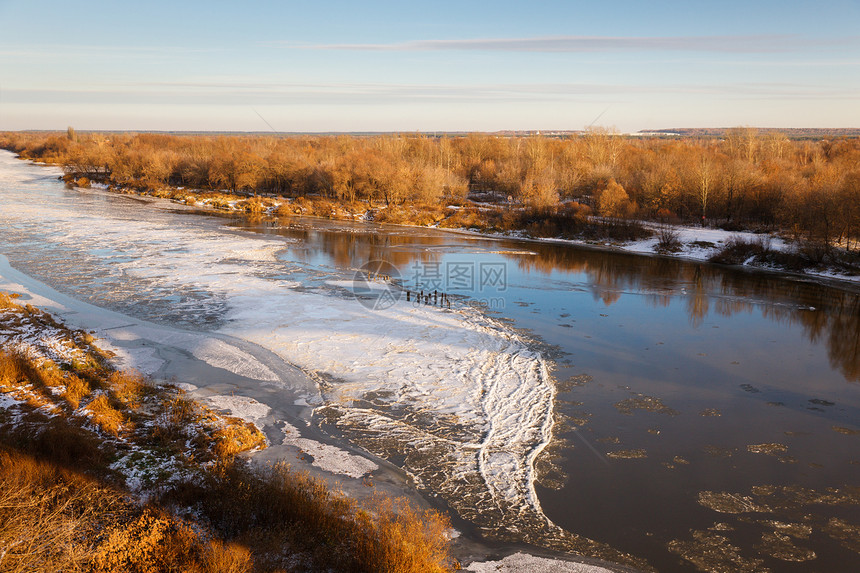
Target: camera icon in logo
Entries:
(376, 285)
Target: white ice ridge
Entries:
(456, 376)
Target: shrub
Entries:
(7, 301)
(155, 541)
(286, 209)
(40, 529)
(668, 240)
(254, 206)
(174, 419)
(398, 538)
(738, 251)
(302, 512)
(422, 216)
(221, 557)
(466, 218)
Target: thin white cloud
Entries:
(254, 93)
(726, 44)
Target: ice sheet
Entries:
(524, 563)
(327, 457)
(248, 409)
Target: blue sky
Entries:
(399, 66)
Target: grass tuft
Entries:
(104, 415)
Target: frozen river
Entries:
(630, 408)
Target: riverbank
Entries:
(768, 251)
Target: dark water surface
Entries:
(690, 394)
(704, 414)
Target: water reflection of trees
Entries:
(826, 314)
(352, 247)
(835, 320)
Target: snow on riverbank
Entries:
(701, 243)
(697, 244)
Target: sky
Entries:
(427, 66)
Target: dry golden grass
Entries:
(53, 519)
(7, 301)
(47, 515)
(322, 207)
(254, 205)
(418, 215)
(226, 558)
(466, 218)
(76, 389)
(12, 368)
(237, 436)
(277, 506)
(156, 541)
(285, 210)
(128, 387)
(104, 415)
(398, 538)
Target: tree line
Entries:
(743, 179)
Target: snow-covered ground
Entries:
(700, 243)
(697, 244)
